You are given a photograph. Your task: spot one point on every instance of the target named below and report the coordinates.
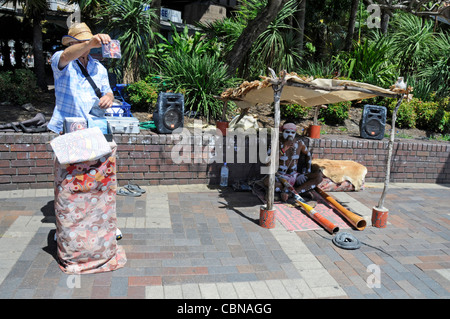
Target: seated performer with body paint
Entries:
(294, 164)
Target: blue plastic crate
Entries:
(123, 110)
(119, 88)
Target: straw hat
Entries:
(77, 32)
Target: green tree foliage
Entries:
(335, 113)
(276, 47)
(417, 48)
(412, 42)
(143, 95)
(132, 20)
(18, 86)
(433, 115)
(190, 64)
(369, 61)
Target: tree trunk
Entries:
(156, 4)
(384, 21)
(321, 42)
(301, 13)
(351, 25)
(251, 33)
(39, 61)
(156, 26)
(131, 73)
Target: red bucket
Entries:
(266, 217)
(379, 217)
(222, 126)
(314, 131)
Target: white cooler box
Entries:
(123, 125)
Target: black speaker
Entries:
(373, 122)
(169, 112)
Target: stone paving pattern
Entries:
(193, 241)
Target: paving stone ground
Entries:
(194, 241)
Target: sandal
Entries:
(126, 192)
(134, 188)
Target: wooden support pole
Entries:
(277, 89)
(389, 156)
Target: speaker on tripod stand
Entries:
(169, 112)
(373, 122)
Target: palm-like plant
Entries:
(437, 75)
(195, 44)
(368, 62)
(412, 42)
(89, 8)
(276, 47)
(132, 21)
(228, 30)
(316, 69)
(191, 65)
(225, 31)
(199, 78)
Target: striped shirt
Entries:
(74, 95)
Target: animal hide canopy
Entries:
(306, 91)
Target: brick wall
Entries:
(26, 160)
(412, 161)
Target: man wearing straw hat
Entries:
(74, 95)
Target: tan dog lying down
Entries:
(339, 171)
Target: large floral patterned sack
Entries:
(85, 209)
